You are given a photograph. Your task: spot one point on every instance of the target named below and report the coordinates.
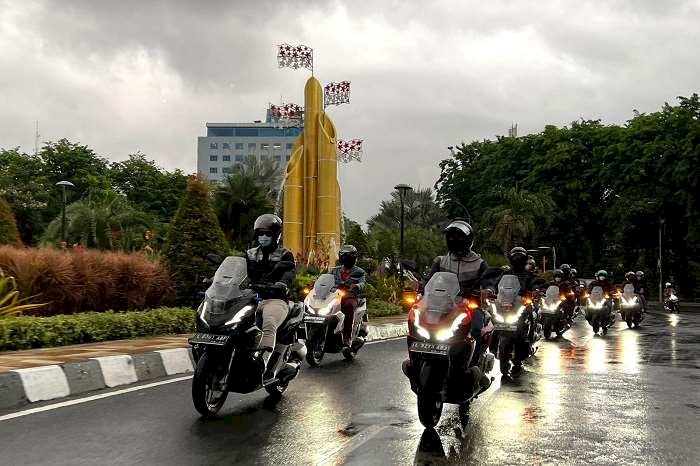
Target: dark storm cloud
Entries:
(133, 75)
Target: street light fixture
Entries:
(402, 189)
(64, 185)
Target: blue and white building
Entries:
(227, 144)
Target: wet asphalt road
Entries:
(631, 397)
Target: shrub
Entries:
(83, 280)
(377, 308)
(383, 288)
(302, 280)
(18, 333)
(8, 225)
(194, 233)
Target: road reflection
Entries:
(628, 351)
(596, 357)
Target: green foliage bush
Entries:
(8, 225)
(382, 288)
(302, 280)
(18, 333)
(194, 233)
(378, 308)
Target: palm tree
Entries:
(420, 211)
(514, 219)
(103, 219)
(267, 173)
(238, 201)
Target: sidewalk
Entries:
(10, 360)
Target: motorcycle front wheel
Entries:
(207, 400)
(429, 409)
(315, 346)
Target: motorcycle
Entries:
(671, 304)
(599, 310)
(552, 314)
(324, 322)
(516, 331)
(225, 347)
(441, 349)
(631, 309)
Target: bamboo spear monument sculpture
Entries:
(312, 212)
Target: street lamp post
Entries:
(402, 189)
(661, 270)
(64, 185)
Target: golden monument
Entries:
(312, 212)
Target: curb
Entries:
(20, 387)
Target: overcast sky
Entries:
(126, 76)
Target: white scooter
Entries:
(325, 321)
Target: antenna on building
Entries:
(36, 139)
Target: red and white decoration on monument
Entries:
(337, 93)
(349, 150)
(300, 56)
(287, 115)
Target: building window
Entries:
(289, 157)
(239, 146)
(263, 157)
(251, 147)
(226, 170)
(264, 146)
(213, 170)
(239, 158)
(289, 146)
(227, 158)
(225, 145)
(251, 156)
(278, 158)
(213, 145)
(213, 158)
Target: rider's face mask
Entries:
(557, 279)
(265, 240)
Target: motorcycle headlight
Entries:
(422, 331)
(238, 316)
(445, 334)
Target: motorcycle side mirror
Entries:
(214, 259)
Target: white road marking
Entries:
(77, 401)
(385, 340)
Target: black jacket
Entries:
(606, 285)
(357, 277)
(270, 266)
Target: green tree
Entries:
(147, 186)
(8, 227)
(358, 238)
(267, 173)
(104, 220)
(27, 191)
(420, 210)
(64, 160)
(193, 234)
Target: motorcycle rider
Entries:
(470, 269)
(353, 279)
(270, 263)
(641, 288)
(562, 279)
(602, 280)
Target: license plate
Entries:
(503, 327)
(208, 339)
(431, 348)
(314, 319)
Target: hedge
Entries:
(377, 308)
(25, 332)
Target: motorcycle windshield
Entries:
(226, 285)
(323, 286)
(441, 292)
(628, 290)
(552, 294)
(508, 289)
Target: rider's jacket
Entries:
(357, 276)
(469, 270)
(270, 266)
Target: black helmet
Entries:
(462, 242)
(348, 255)
(268, 223)
(531, 263)
(574, 272)
(639, 274)
(566, 270)
(601, 273)
(518, 257)
(558, 273)
(630, 276)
